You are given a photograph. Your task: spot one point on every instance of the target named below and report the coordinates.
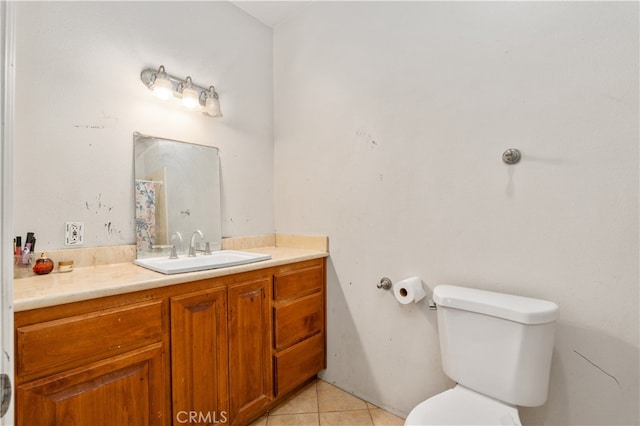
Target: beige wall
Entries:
(79, 99)
(391, 119)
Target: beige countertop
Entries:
(90, 282)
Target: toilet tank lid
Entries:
(521, 309)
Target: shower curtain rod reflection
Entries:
(150, 181)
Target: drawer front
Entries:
(297, 320)
(298, 282)
(298, 363)
(67, 342)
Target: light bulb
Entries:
(190, 98)
(212, 107)
(212, 104)
(162, 88)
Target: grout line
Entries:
(370, 416)
(315, 383)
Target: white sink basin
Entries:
(217, 259)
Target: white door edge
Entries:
(7, 74)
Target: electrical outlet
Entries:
(74, 234)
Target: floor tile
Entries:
(305, 401)
(323, 404)
(306, 419)
(384, 418)
(346, 418)
(331, 398)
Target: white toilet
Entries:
(497, 347)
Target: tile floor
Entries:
(322, 404)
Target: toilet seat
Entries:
(462, 406)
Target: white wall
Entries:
(390, 122)
(80, 98)
(391, 119)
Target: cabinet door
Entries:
(199, 355)
(128, 389)
(250, 371)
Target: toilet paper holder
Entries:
(385, 283)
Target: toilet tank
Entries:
(496, 344)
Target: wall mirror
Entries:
(177, 191)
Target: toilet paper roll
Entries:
(409, 290)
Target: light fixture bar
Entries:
(193, 95)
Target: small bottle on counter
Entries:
(43, 265)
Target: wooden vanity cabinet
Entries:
(250, 373)
(77, 365)
(227, 349)
(125, 389)
(299, 306)
(199, 360)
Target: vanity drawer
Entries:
(297, 320)
(67, 342)
(298, 363)
(298, 282)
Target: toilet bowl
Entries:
(497, 348)
(462, 406)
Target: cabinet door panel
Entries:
(250, 373)
(199, 353)
(126, 389)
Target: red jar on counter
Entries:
(43, 265)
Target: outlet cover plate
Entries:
(74, 234)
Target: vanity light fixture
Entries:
(189, 94)
(212, 103)
(162, 87)
(195, 97)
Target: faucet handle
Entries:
(176, 234)
(174, 253)
(207, 248)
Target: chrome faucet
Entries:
(174, 252)
(192, 243)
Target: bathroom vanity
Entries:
(145, 348)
